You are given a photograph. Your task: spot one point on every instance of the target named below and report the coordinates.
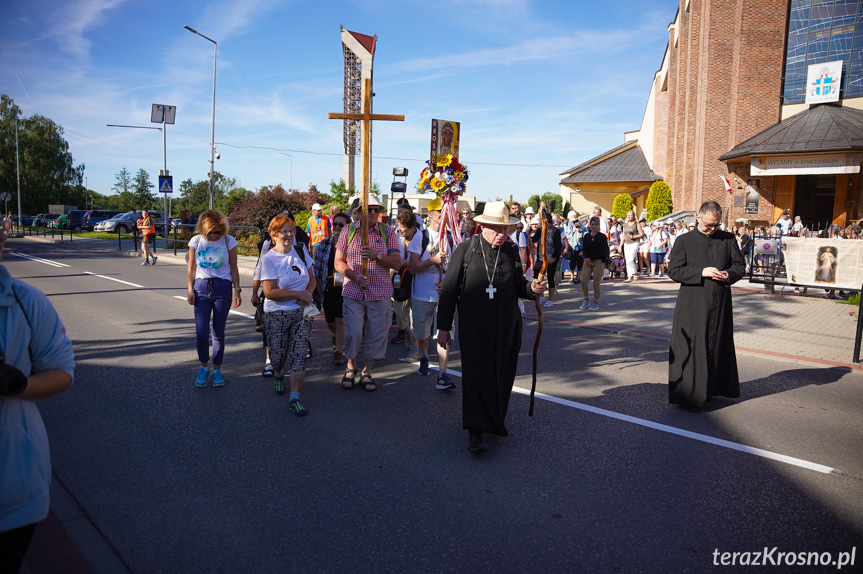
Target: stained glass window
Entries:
(823, 31)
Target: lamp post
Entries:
(213, 121)
(291, 185)
(18, 172)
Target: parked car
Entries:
(72, 220)
(26, 220)
(94, 216)
(127, 222)
(44, 219)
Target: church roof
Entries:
(367, 42)
(625, 163)
(821, 128)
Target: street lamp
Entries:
(18, 172)
(213, 121)
(291, 185)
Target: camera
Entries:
(12, 381)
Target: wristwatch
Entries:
(379, 256)
(238, 289)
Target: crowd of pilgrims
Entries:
(302, 272)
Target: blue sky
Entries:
(545, 83)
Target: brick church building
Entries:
(729, 103)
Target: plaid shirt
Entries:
(322, 259)
(380, 284)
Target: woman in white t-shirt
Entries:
(288, 282)
(212, 271)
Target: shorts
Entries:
(657, 258)
(149, 238)
(333, 303)
(422, 318)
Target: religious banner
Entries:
(444, 139)
(831, 263)
(823, 81)
(752, 197)
(806, 164)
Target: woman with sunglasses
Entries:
(212, 273)
(330, 289)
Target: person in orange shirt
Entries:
(318, 228)
(148, 236)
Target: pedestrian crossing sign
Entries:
(166, 184)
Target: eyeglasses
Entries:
(374, 209)
(338, 224)
(285, 232)
(215, 233)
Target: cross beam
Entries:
(366, 117)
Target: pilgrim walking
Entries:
(701, 361)
(484, 281)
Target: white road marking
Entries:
(39, 259)
(684, 433)
(112, 279)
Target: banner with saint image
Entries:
(444, 139)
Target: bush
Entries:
(622, 204)
(659, 203)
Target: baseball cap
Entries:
(316, 207)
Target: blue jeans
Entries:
(212, 297)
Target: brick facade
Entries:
(723, 86)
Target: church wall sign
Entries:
(806, 164)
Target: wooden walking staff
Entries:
(366, 116)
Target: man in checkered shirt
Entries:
(367, 296)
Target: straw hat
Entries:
(495, 213)
(373, 200)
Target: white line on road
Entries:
(684, 433)
(39, 259)
(650, 424)
(112, 279)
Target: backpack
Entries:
(405, 288)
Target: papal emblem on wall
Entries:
(823, 81)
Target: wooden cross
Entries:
(366, 116)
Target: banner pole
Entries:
(857, 339)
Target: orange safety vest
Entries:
(146, 226)
(318, 232)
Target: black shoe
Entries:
(476, 443)
(399, 338)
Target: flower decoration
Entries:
(446, 176)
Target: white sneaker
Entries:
(594, 306)
(413, 357)
(548, 304)
(585, 304)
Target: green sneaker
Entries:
(279, 383)
(298, 409)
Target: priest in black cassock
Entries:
(701, 361)
(484, 281)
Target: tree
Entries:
(659, 203)
(533, 201)
(143, 190)
(48, 175)
(622, 204)
(553, 202)
(258, 208)
(340, 195)
(123, 191)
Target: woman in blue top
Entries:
(33, 340)
(211, 274)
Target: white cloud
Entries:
(70, 23)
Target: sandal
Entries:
(348, 381)
(369, 383)
(268, 371)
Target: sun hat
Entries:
(529, 210)
(536, 221)
(495, 213)
(572, 216)
(373, 200)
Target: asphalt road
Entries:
(181, 479)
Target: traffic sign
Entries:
(166, 184)
(5, 196)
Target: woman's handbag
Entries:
(402, 287)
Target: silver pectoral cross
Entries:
(491, 291)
